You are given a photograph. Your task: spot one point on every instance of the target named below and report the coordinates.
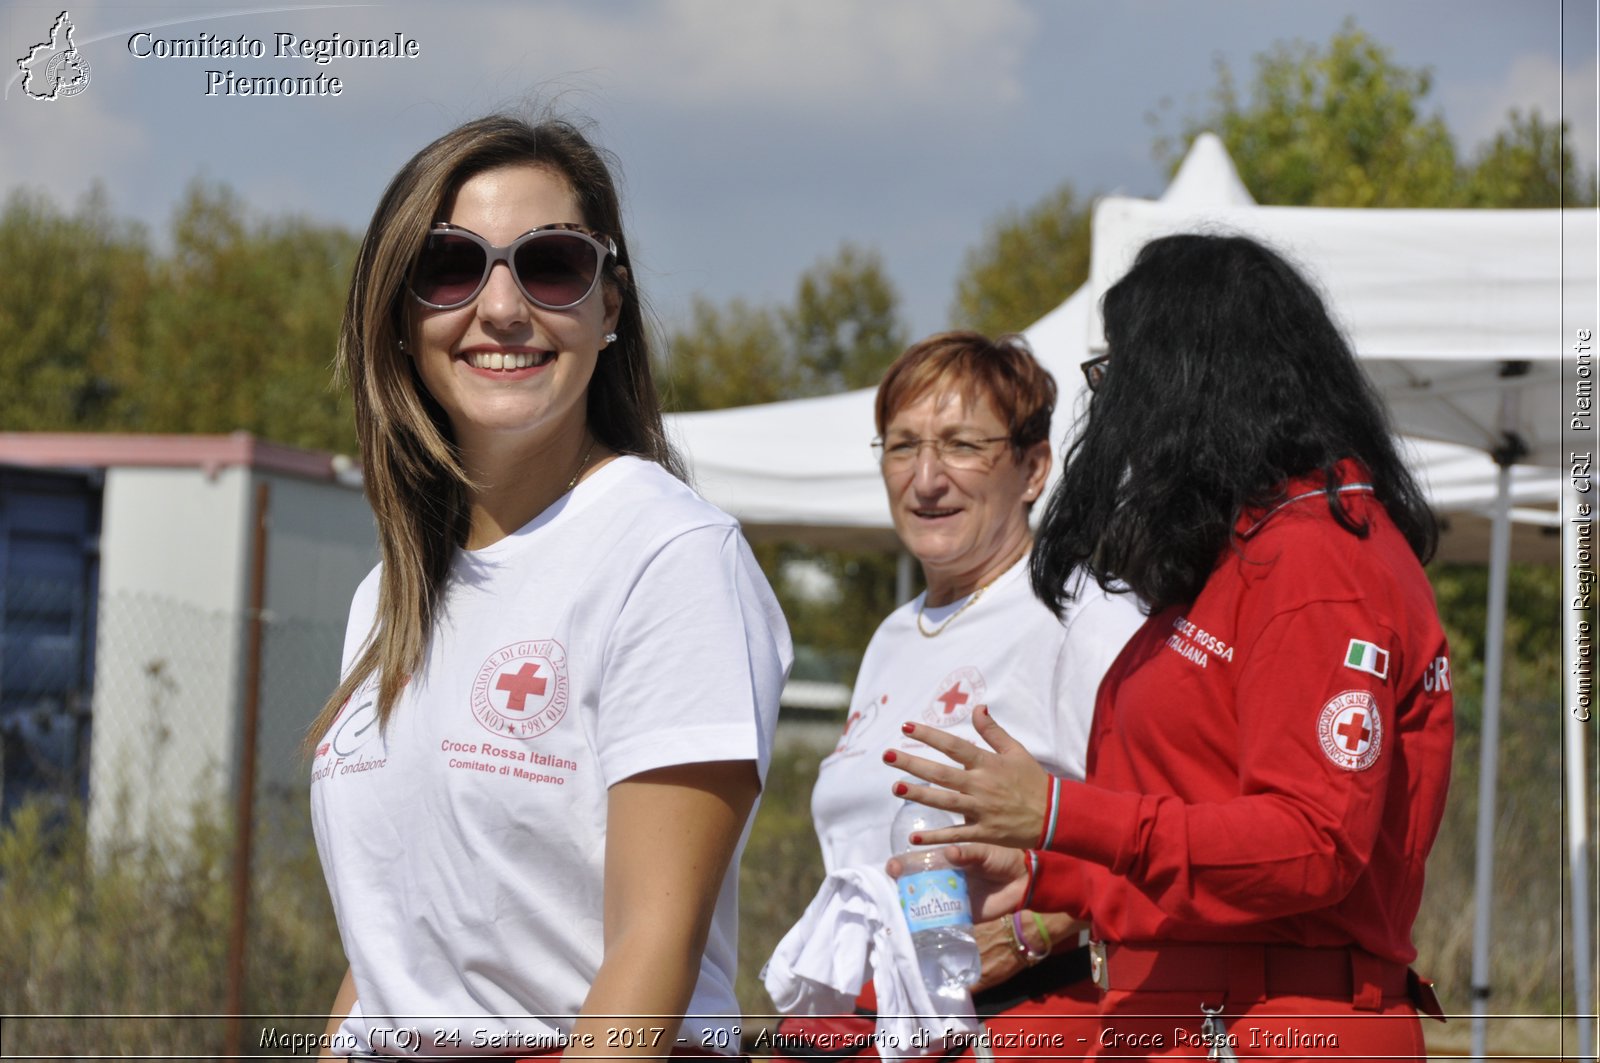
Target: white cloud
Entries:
(1478, 111)
(837, 59)
(63, 145)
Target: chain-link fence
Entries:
(123, 742)
(140, 714)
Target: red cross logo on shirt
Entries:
(1354, 732)
(519, 685)
(952, 699)
(532, 675)
(1350, 729)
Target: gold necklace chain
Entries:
(949, 619)
(584, 464)
(970, 602)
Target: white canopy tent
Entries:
(803, 469)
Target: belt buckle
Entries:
(1097, 965)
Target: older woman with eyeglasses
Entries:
(530, 787)
(963, 445)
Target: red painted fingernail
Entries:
(889, 757)
(984, 709)
(907, 728)
(901, 789)
(916, 839)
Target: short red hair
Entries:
(1002, 370)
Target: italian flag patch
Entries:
(1366, 657)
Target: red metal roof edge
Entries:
(208, 452)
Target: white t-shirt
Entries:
(1037, 674)
(625, 628)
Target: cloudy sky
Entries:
(755, 136)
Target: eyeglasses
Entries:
(1094, 371)
(956, 452)
(556, 266)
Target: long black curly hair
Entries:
(1226, 377)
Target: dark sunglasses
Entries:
(556, 266)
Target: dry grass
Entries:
(140, 936)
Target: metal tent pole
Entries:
(1494, 655)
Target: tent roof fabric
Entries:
(1456, 314)
(803, 469)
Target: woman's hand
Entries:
(1000, 959)
(997, 877)
(1044, 933)
(1002, 794)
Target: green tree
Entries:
(69, 310)
(737, 355)
(1527, 165)
(1340, 126)
(241, 328)
(233, 329)
(1028, 262)
(841, 332)
(844, 328)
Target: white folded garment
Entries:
(851, 926)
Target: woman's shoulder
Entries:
(365, 597)
(1305, 553)
(654, 502)
(1307, 526)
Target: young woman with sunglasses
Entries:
(530, 787)
(1269, 757)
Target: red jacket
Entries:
(1268, 764)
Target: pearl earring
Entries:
(402, 346)
(610, 338)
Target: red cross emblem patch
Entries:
(1350, 730)
(521, 690)
(955, 696)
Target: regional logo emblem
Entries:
(55, 69)
(1350, 730)
(521, 690)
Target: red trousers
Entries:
(1142, 1025)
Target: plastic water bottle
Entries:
(933, 896)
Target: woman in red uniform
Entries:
(1269, 757)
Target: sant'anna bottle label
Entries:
(934, 899)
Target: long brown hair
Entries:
(415, 483)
